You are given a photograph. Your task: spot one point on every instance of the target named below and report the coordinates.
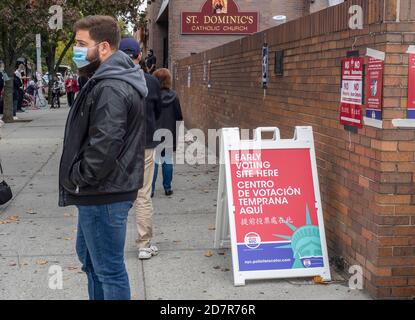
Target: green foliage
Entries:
(67, 57)
(21, 20)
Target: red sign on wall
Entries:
(220, 17)
(374, 88)
(411, 87)
(352, 92)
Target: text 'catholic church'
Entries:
(179, 28)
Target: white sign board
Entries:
(352, 81)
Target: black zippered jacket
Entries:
(103, 150)
(153, 109)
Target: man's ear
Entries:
(105, 48)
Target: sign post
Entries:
(269, 206)
(265, 66)
(38, 53)
(352, 92)
(411, 83)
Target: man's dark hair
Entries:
(101, 28)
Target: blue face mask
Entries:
(80, 55)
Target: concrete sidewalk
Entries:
(39, 234)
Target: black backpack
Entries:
(5, 190)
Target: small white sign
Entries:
(38, 41)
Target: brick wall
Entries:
(156, 32)
(181, 46)
(367, 179)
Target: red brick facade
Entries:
(367, 179)
(181, 46)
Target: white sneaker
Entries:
(15, 118)
(147, 253)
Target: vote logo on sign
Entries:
(252, 240)
(307, 263)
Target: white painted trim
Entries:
(350, 119)
(404, 123)
(373, 122)
(376, 54)
(411, 49)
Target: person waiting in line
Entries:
(71, 86)
(104, 178)
(151, 61)
(170, 113)
(144, 206)
(19, 76)
(17, 93)
(56, 94)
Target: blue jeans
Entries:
(100, 248)
(166, 160)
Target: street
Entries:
(36, 234)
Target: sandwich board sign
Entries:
(269, 208)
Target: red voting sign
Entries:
(374, 88)
(352, 92)
(411, 87)
(274, 207)
(273, 195)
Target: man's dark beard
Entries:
(90, 69)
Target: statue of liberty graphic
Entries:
(305, 243)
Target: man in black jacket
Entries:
(17, 93)
(101, 167)
(144, 205)
(151, 61)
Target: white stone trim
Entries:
(404, 123)
(376, 54)
(373, 122)
(411, 49)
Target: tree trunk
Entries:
(50, 61)
(8, 94)
(65, 50)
